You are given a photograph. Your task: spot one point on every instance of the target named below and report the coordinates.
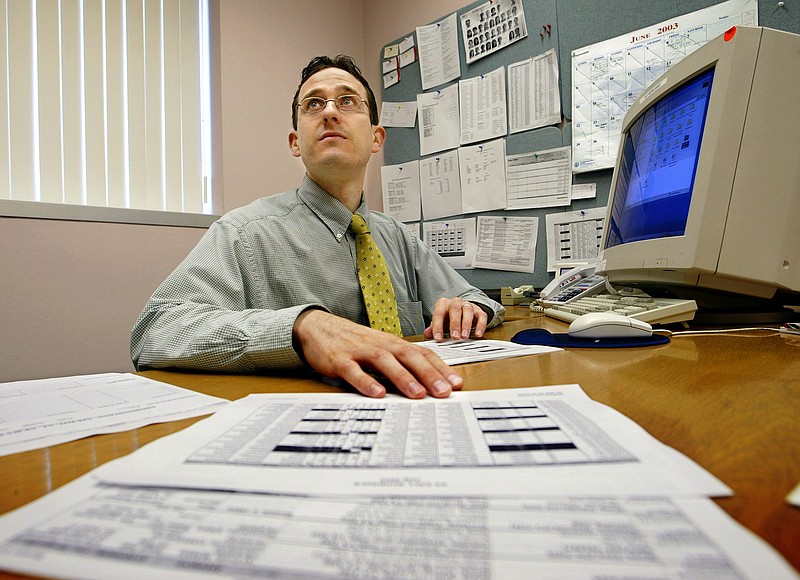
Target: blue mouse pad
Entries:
(542, 337)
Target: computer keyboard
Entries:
(639, 306)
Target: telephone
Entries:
(575, 283)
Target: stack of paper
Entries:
(491, 484)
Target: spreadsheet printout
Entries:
(574, 236)
(456, 352)
(540, 179)
(510, 441)
(507, 243)
(93, 531)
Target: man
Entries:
(274, 285)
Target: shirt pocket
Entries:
(411, 320)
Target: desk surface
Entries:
(729, 402)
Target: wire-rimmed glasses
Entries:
(345, 103)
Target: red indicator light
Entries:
(729, 33)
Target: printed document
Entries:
(438, 52)
(492, 26)
(440, 185)
(574, 236)
(584, 191)
(507, 243)
(483, 107)
(453, 240)
(540, 179)
(438, 120)
(794, 497)
(456, 352)
(93, 531)
(399, 114)
(509, 442)
(483, 176)
(40, 413)
(533, 96)
(401, 195)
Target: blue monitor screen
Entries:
(658, 165)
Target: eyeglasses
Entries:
(345, 103)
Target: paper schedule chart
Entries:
(540, 179)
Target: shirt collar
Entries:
(330, 210)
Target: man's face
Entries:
(333, 140)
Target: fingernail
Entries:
(375, 390)
(437, 336)
(465, 333)
(415, 389)
(455, 380)
(440, 388)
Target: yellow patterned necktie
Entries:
(376, 286)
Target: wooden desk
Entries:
(731, 403)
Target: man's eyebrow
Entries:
(341, 89)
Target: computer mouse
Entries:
(608, 325)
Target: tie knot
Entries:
(358, 224)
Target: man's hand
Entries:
(458, 316)
(340, 348)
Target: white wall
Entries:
(70, 291)
(265, 45)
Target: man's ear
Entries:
(294, 143)
(378, 137)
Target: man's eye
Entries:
(313, 104)
(346, 101)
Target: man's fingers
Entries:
(459, 316)
(467, 315)
(455, 313)
(440, 312)
(438, 378)
(363, 382)
(415, 371)
(340, 348)
(408, 368)
(481, 320)
(396, 364)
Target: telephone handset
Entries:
(575, 283)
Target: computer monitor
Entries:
(705, 196)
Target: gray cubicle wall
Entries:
(572, 24)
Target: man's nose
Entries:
(330, 105)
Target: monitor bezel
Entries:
(683, 259)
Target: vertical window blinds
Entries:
(105, 103)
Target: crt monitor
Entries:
(705, 196)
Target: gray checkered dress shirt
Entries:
(232, 303)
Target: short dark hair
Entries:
(347, 64)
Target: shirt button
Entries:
(339, 236)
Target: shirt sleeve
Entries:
(199, 317)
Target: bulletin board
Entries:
(562, 25)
